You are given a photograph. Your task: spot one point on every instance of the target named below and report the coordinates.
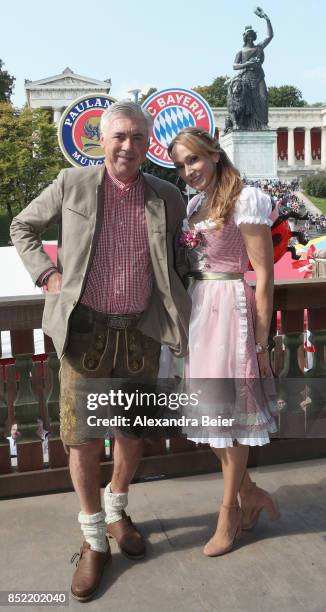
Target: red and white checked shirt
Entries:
(120, 279)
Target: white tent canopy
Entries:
(15, 281)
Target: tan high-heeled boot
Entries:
(228, 530)
(253, 501)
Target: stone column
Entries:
(291, 158)
(56, 115)
(307, 147)
(323, 147)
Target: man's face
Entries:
(14, 431)
(125, 143)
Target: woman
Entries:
(227, 226)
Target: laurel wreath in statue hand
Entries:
(260, 13)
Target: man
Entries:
(112, 300)
(13, 438)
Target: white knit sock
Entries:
(114, 504)
(94, 529)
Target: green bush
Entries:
(315, 185)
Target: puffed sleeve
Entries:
(253, 206)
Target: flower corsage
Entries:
(190, 239)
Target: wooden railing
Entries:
(29, 389)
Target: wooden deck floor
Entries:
(278, 566)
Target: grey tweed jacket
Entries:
(74, 201)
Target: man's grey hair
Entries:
(127, 108)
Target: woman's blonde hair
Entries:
(228, 181)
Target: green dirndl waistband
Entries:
(196, 275)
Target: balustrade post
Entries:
(26, 405)
(292, 416)
(317, 336)
(52, 401)
(292, 327)
(57, 455)
(316, 409)
(3, 407)
(274, 345)
(5, 463)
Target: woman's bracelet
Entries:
(261, 348)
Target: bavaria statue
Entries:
(247, 98)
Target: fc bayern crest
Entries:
(172, 110)
(79, 130)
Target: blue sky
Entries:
(169, 43)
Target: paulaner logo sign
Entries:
(172, 110)
(79, 130)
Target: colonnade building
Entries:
(55, 93)
(301, 132)
(301, 138)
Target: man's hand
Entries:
(54, 283)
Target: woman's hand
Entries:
(264, 365)
(259, 246)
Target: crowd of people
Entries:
(284, 196)
(282, 193)
(316, 223)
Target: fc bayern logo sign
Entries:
(79, 130)
(172, 110)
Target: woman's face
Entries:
(249, 38)
(196, 170)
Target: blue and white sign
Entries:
(79, 130)
(172, 110)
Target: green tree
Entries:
(6, 84)
(316, 185)
(147, 94)
(215, 94)
(285, 95)
(167, 174)
(30, 156)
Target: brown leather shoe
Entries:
(88, 574)
(129, 539)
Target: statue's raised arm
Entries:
(260, 13)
